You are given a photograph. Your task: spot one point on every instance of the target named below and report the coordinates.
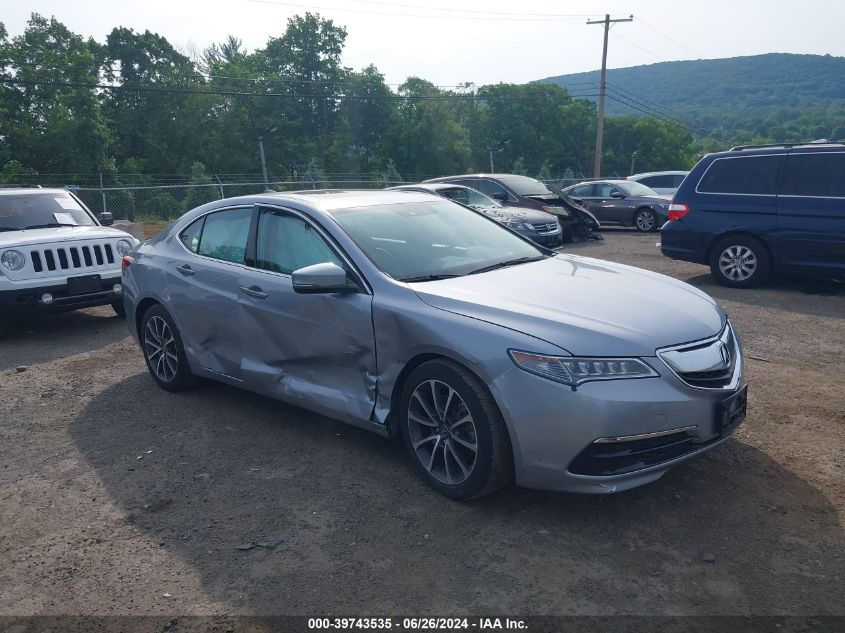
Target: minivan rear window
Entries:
(756, 175)
(816, 175)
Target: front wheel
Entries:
(164, 352)
(454, 432)
(645, 220)
(740, 261)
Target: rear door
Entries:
(811, 212)
(313, 350)
(203, 287)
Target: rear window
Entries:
(818, 175)
(755, 175)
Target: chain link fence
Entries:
(155, 203)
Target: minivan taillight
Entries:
(677, 210)
(126, 262)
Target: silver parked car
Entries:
(493, 358)
(662, 182)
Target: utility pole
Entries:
(607, 22)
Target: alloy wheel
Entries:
(442, 432)
(737, 263)
(160, 349)
(645, 221)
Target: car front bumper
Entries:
(18, 300)
(607, 436)
(549, 240)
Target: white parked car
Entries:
(663, 182)
(56, 255)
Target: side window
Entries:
(677, 180)
(225, 234)
(758, 175)
(650, 181)
(287, 243)
(490, 188)
(584, 191)
(603, 190)
(191, 236)
(820, 175)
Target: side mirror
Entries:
(617, 194)
(501, 196)
(106, 218)
(321, 278)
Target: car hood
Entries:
(31, 237)
(588, 307)
(534, 216)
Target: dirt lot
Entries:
(119, 498)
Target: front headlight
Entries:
(576, 370)
(517, 225)
(124, 247)
(12, 260)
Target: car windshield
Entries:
(41, 210)
(525, 186)
(467, 196)
(424, 241)
(633, 188)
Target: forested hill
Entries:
(774, 95)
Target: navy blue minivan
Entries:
(757, 210)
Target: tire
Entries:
(169, 368)
(645, 221)
(119, 308)
(442, 392)
(740, 261)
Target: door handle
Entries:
(185, 269)
(255, 292)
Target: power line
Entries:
(481, 11)
(674, 41)
(507, 18)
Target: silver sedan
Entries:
(494, 359)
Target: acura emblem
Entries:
(725, 354)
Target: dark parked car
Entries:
(538, 226)
(576, 222)
(757, 210)
(622, 203)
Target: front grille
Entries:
(545, 227)
(618, 458)
(710, 364)
(74, 259)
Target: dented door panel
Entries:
(312, 350)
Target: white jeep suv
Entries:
(56, 255)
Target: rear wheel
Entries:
(740, 261)
(453, 431)
(645, 220)
(164, 352)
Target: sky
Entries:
(480, 41)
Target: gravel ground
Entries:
(119, 498)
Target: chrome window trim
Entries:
(178, 234)
(727, 193)
(722, 336)
(363, 283)
(643, 436)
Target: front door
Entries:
(313, 350)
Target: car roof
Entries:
(658, 173)
(27, 190)
(334, 199)
(494, 176)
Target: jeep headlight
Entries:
(573, 371)
(124, 247)
(12, 260)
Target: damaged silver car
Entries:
(494, 359)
